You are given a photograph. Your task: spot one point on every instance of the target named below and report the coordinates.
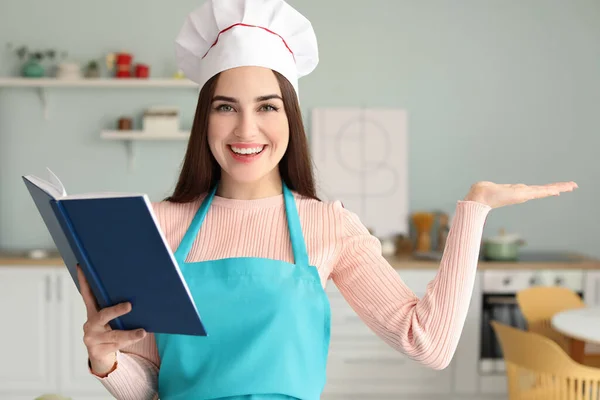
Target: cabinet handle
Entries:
(558, 281)
(533, 281)
(48, 288)
(58, 289)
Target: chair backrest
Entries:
(538, 368)
(539, 304)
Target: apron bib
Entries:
(268, 325)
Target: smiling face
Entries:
(248, 130)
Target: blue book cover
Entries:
(117, 241)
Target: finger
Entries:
(563, 186)
(553, 189)
(567, 186)
(121, 338)
(538, 192)
(101, 350)
(86, 292)
(544, 189)
(105, 315)
(556, 185)
(542, 192)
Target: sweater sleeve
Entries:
(135, 376)
(427, 330)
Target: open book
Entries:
(117, 241)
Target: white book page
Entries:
(57, 183)
(54, 187)
(102, 195)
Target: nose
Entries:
(246, 125)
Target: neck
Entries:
(268, 186)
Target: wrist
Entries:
(476, 194)
(103, 367)
(475, 198)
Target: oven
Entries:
(499, 289)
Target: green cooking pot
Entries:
(502, 248)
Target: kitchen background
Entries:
(507, 91)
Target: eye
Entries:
(268, 107)
(224, 108)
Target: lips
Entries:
(247, 152)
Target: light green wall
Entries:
(502, 90)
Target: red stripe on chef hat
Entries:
(250, 26)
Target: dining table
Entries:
(581, 325)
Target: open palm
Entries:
(499, 195)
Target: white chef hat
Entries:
(224, 34)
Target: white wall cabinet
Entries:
(42, 337)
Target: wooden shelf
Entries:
(141, 135)
(96, 82)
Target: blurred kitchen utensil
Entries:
(423, 221)
(404, 245)
(504, 247)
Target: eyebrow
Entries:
(257, 99)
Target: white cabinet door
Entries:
(591, 288)
(75, 379)
(27, 336)
(591, 296)
(362, 364)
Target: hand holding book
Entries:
(101, 341)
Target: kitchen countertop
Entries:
(527, 261)
(539, 260)
(11, 259)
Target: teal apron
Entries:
(268, 325)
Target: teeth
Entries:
(253, 150)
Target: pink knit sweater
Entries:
(339, 245)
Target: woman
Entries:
(257, 247)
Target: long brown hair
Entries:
(200, 170)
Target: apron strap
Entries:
(192, 232)
(296, 236)
(293, 220)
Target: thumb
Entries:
(86, 292)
